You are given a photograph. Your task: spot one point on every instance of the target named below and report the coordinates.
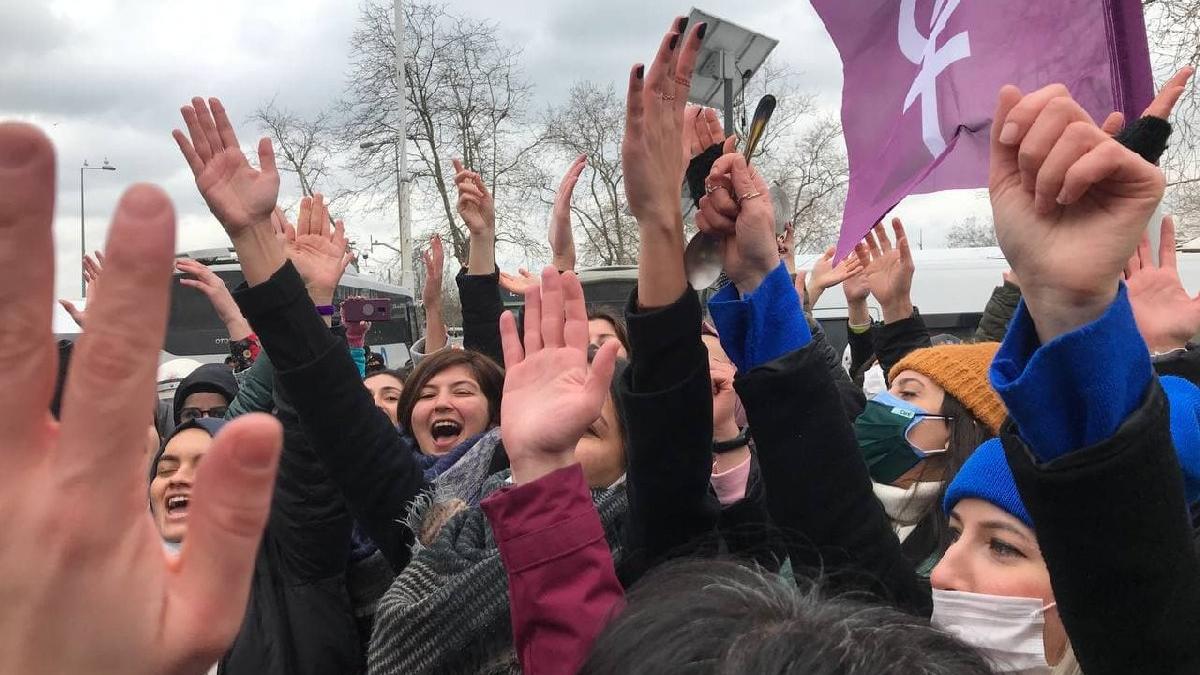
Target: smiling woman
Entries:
(450, 397)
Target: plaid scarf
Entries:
(448, 611)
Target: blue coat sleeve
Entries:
(761, 326)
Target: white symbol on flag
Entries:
(924, 52)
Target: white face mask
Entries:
(1006, 630)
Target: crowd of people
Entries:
(679, 488)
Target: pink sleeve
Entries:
(561, 580)
(730, 486)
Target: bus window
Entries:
(193, 327)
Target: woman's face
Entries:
(996, 554)
(915, 388)
(601, 331)
(385, 389)
(601, 450)
(450, 408)
(171, 487)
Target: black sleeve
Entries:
(1113, 526)
(998, 313)
(862, 351)
(357, 444)
(746, 528)
(894, 341)
(310, 524)
(699, 168)
(1185, 364)
(1147, 136)
(667, 400)
(481, 309)
(818, 490)
(853, 399)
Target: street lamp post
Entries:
(82, 218)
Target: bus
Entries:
(194, 331)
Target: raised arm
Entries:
(889, 272)
(1090, 445)
(666, 389)
(213, 288)
(562, 241)
(286, 276)
(434, 259)
(818, 491)
(479, 282)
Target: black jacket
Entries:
(998, 313)
(894, 341)
(668, 406)
(356, 442)
(818, 491)
(299, 618)
(481, 308)
(1185, 364)
(1122, 502)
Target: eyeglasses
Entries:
(189, 414)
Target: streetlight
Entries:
(402, 181)
(82, 231)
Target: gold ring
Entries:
(708, 188)
(667, 97)
(749, 195)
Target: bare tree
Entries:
(467, 97)
(306, 148)
(971, 233)
(810, 177)
(592, 122)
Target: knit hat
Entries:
(985, 475)
(962, 370)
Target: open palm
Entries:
(551, 396)
(239, 195)
(1166, 316)
(887, 270)
(319, 252)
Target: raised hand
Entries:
(751, 251)
(435, 263)
(218, 295)
(888, 271)
(320, 253)
(701, 130)
(92, 267)
(562, 242)
(650, 149)
(475, 203)
(1069, 204)
(1168, 96)
(1167, 317)
(826, 275)
(551, 396)
(518, 283)
(102, 567)
(240, 196)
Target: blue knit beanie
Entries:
(986, 475)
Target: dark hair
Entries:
(719, 617)
(967, 433)
(617, 324)
(487, 374)
(399, 375)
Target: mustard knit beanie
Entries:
(962, 370)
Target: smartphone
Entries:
(367, 309)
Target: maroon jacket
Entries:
(561, 581)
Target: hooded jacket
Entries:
(215, 378)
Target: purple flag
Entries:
(921, 78)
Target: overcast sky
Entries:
(105, 79)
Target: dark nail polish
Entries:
(641, 72)
(683, 21)
(674, 42)
(701, 30)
